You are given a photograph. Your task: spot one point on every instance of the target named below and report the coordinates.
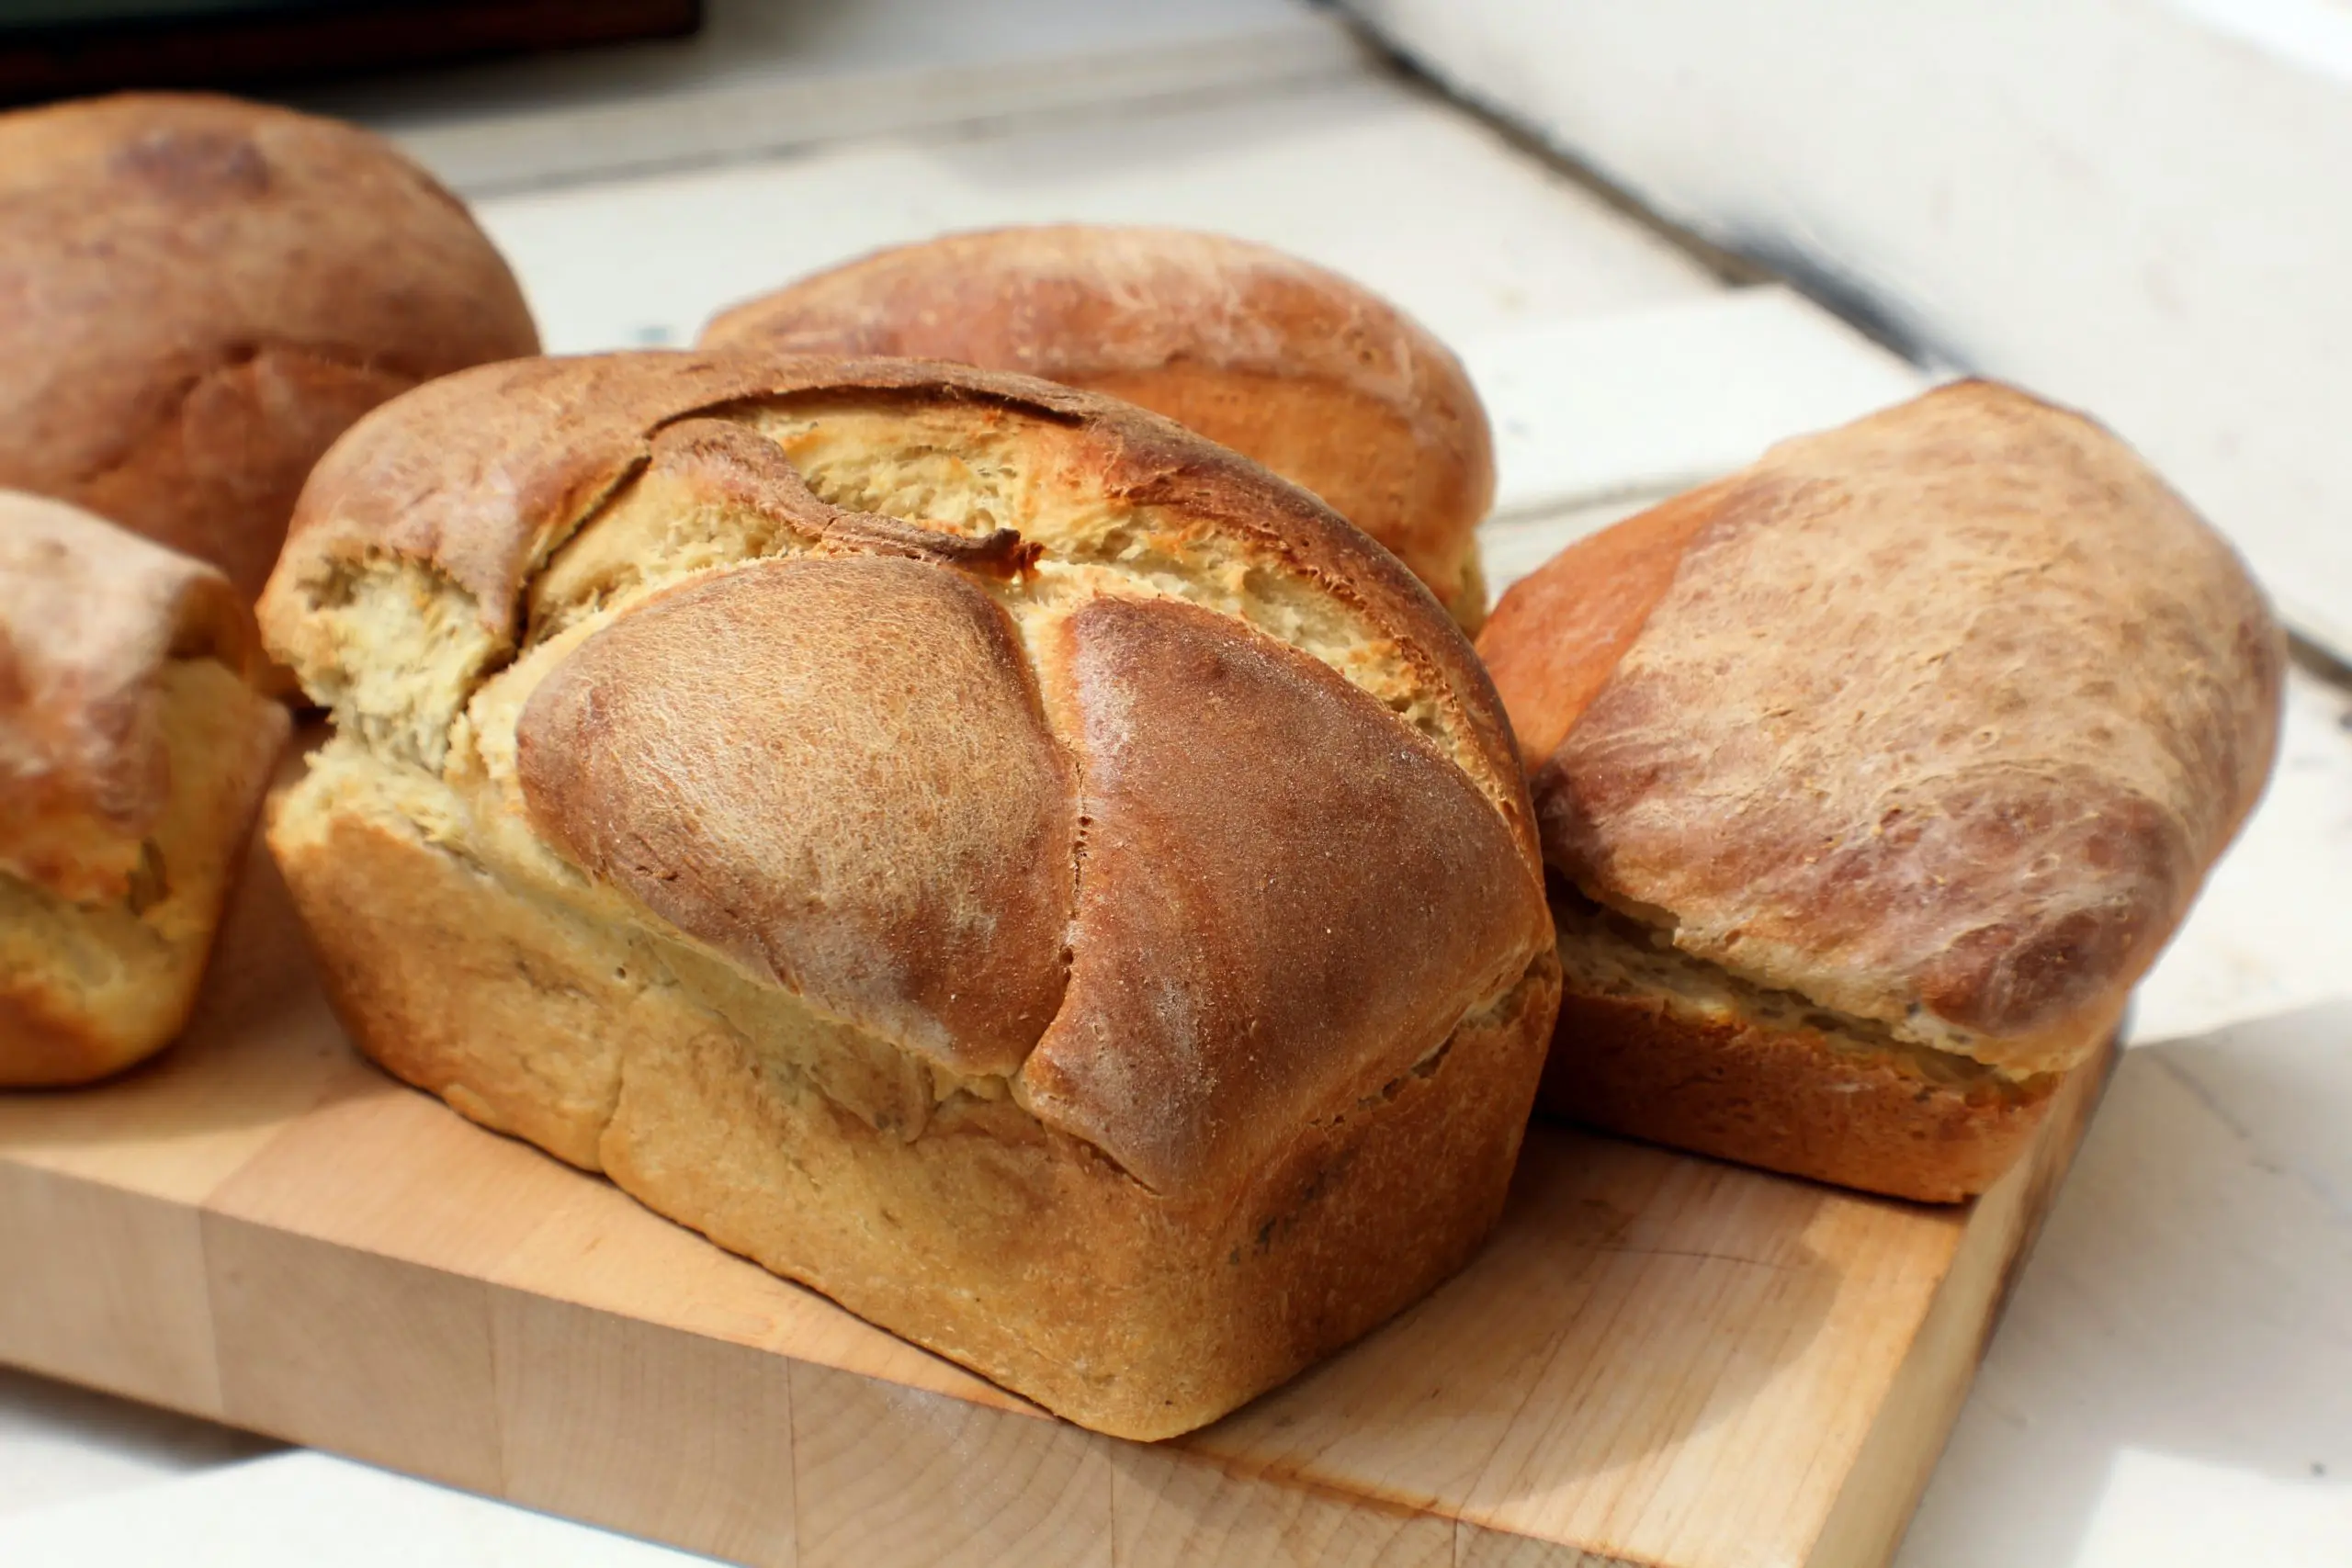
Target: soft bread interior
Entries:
(1604, 953)
(129, 962)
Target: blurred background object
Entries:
(56, 48)
(763, 77)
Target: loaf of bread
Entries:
(198, 295)
(1871, 778)
(133, 754)
(970, 845)
(1319, 379)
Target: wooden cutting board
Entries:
(1658, 1361)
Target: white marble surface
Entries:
(2172, 1383)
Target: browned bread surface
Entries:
(1933, 723)
(636, 745)
(1783, 1100)
(971, 845)
(1317, 377)
(1663, 1047)
(198, 295)
(132, 757)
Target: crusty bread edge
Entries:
(1783, 1101)
(1172, 317)
(48, 1043)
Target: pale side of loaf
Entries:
(1875, 776)
(133, 754)
(969, 845)
(198, 295)
(1293, 366)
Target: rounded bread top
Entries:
(1086, 755)
(481, 476)
(1937, 719)
(197, 294)
(1288, 363)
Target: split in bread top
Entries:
(1296, 366)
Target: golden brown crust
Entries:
(429, 964)
(1242, 804)
(88, 989)
(1133, 1313)
(133, 751)
(203, 293)
(45, 1043)
(89, 616)
(886, 830)
(770, 781)
(1297, 368)
(481, 476)
(1783, 1099)
(1556, 637)
(1940, 722)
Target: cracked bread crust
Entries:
(972, 846)
(1783, 1101)
(207, 292)
(133, 753)
(1317, 377)
(824, 841)
(1936, 721)
(486, 475)
(1662, 1046)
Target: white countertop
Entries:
(2173, 1382)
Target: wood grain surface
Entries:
(1658, 1361)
